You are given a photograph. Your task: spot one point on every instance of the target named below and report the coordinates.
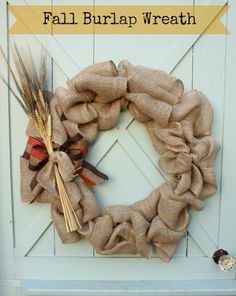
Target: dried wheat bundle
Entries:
(33, 98)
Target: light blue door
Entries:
(35, 261)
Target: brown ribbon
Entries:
(75, 147)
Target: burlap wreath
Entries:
(179, 125)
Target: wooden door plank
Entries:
(102, 145)
(227, 232)
(34, 231)
(78, 48)
(6, 214)
(64, 60)
(201, 237)
(193, 249)
(209, 77)
(83, 248)
(41, 247)
(141, 159)
(181, 47)
(124, 175)
(30, 222)
(118, 269)
(180, 44)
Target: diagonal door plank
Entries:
(102, 146)
(141, 159)
(33, 232)
(203, 240)
(65, 62)
(183, 44)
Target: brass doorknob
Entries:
(224, 260)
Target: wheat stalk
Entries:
(34, 101)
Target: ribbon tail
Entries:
(90, 175)
(35, 187)
(36, 156)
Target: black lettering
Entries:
(63, 14)
(73, 20)
(155, 18)
(87, 18)
(106, 17)
(165, 20)
(132, 21)
(97, 20)
(113, 19)
(56, 20)
(147, 17)
(47, 15)
(123, 20)
(191, 17)
(174, 20)
(182, 19)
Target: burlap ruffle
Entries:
(179, 125)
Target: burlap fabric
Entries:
(179, 125)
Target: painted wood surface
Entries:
(124, 153)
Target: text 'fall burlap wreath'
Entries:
(179, 125)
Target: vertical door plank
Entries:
(227, 233)
(29, 225)
(208, 76)
(7, 270)
(78, 48)
(183, 71)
